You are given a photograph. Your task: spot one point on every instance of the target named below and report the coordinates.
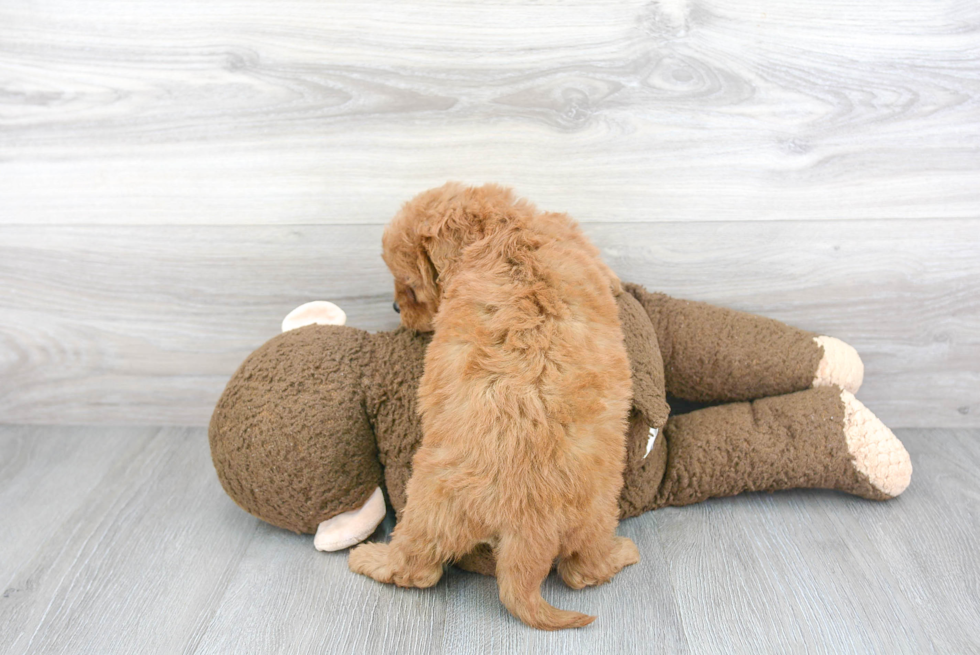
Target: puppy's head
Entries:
(425, 240)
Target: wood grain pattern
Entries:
(945, 479)
(137, 552)
(335, 112)
(136, 548)
(286, 597)
(45, 475)
(146, 324)
(823, 595)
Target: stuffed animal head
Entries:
(317, 421)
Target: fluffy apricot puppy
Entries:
(523, 401)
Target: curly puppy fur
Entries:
(524, 399)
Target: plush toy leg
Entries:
(714, 354)
(820, 437)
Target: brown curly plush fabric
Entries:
(392, 394)
(292, 417)
(707, 350)
(766, 445)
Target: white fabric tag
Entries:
(652, 439)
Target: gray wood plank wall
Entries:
(174, 177)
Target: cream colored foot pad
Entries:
(840, 365)
(877, 452)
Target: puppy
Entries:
(523, 401)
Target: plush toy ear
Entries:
(319, 312)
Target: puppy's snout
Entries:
(394, 305)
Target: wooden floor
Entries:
(120, 540)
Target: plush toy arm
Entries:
(823, 438)
(715, 354)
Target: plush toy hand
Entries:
(353, 527)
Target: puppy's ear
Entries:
(428, 271)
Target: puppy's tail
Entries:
(521, 568)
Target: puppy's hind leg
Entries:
(433, 530)
(522, 565)
(596, 561)
(592, 553)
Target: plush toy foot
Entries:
(877, 453)
(353, 527)
(380, 562)
(840, 365)
(577, 572)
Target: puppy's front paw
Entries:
(371, 560)
(384, 564)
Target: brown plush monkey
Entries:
(318, 425)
